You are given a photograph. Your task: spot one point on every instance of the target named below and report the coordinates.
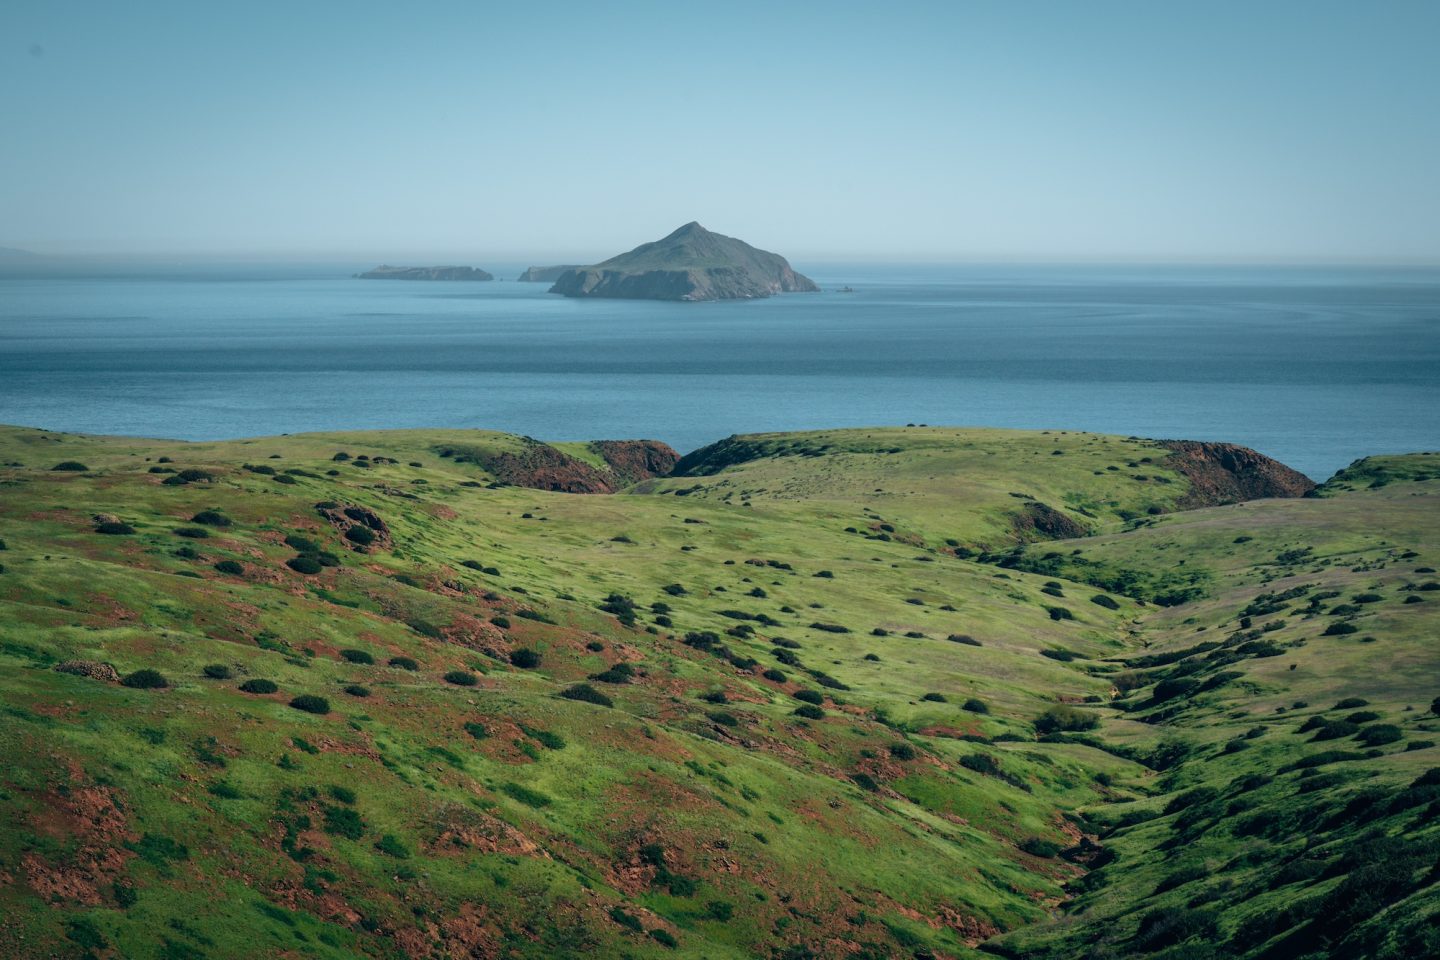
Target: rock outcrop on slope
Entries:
(690, 264)
(636, 460)
(1221, 473)
(386, 272)
(546, 274)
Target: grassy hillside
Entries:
(410, 711)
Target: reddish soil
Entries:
(1039, 521)
(636, 460)
(1222, 473)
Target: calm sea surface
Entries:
(1313, 366)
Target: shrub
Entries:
(231, 568)
(212, 518)
(1059, 613)
(902, 751)
(217, 671)
(70, 466)
(114, 528)
(1340, 629)
(809, 711)
(146, 680)
(964, 638)
(1040, 847)
(1065, 718)
(361, 535)
(1380, 734)
(525, 658)
(825, 574)
(344, 822)
(531, 798)
(355, 690)
(675, 590)
(476, 729)
(975, 706)
(1336, 729)
(391, 846)
(829, 627)
(462, 678)
(1350, 703)
(664, 937)
(809, 696)
(1167, 926)
(311, 703)
(935, 698)
(404, 663)
(587, 694)
(774, 675)
(980, 763)
(627, 920)
(259, 686)
(357, 656)
(193, 533)
(305, 564)
(1109, 603)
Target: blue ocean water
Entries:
(1315, 366)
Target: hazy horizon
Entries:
(1113, 132)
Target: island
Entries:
(386, 272)
(690, 264)
(546, 274)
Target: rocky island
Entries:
(546, 274)
(690, 264)
(385, 272)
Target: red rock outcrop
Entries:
(1221, 473)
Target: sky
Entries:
(1283, 130)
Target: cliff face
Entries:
(690, 264)
(636, 460)
(545, 274)
(1222, 473)
(540, 466)
(385, 272)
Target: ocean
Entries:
(1314, 366)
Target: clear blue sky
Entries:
(1265, 129)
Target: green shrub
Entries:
(525, 658)
(476, 730)
(1040, 847)
(975, 706)
(664, 938)
(531, 798)
(404, 663)
(391, 846)
(964, 638)
(627, 920)
(902, 751)
(1340, 629)
(344, 822)
(212, 518)
(193, 533)
(1065, 718)
(70, 466)
(357, 656)
(114, 528)
(585, 693)
(814, 697)
(259, 686)
(1350, 703)
(1380, 734)
(355, 690)
(343, 794)
(310, 703)
(461, 678)
(809, 711)
(146, 680)
(231, 568)
(304, 564)
(217, 671)
(1059, 613)
(361, 535)
(935, 698)
(1168, 926)
(1109, 603)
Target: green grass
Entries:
(506, 814)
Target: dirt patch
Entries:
(90, 817)
(1221, 473)
(1039, 521)
(542, 467)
